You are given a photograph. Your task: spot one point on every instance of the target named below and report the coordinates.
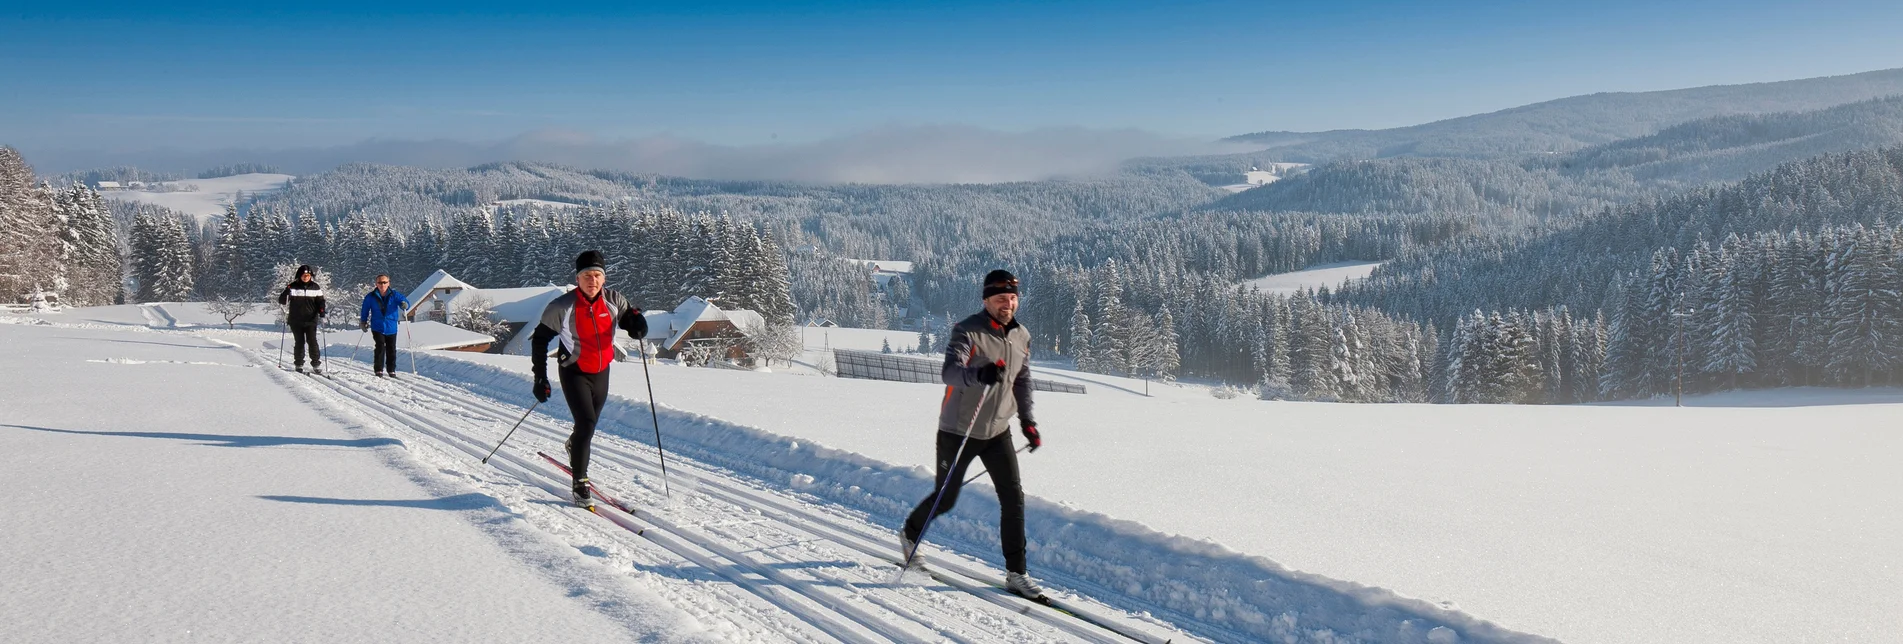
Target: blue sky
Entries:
(750, 73)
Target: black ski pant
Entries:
(384, 357)
(307, 336)
(1001, 461)
(587, 393)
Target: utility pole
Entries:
(1678, 392)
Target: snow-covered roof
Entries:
(109, 185)
(668, 327)
(521, 305)
(436, 280)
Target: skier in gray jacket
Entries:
(987, 380)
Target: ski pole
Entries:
(981, 472)
(411, 338)
(505, 437)
(357, 349)
(656, 416)
(949, 469)
(318, 351)
(280, 343)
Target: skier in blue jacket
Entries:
(382, 311)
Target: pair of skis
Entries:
(595, 491)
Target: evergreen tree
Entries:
(1731, 342)
(1082, 343)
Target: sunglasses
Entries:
(382, 283)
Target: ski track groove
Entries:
(565, 523)
(465, 400)
(790, 515)
(786, 595)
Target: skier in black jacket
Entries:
(305, 300)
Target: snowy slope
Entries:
(720, 559)
(1609, 523)
(1744, 518)
(164, 488)
(212, 195)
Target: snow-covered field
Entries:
(212, 195)
(1745, 517)
(1313, 277)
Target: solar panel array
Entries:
(872, 365)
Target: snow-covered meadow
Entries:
(1743, 517)
(1313, 277)
(209, 197)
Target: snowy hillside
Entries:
(211, 195)
(1744, 518)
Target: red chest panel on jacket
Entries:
(595, 332)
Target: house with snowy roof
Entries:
(438, 297)
(697, 322)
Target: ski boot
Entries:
(910, 547)
(1021, 585)
(582, 497)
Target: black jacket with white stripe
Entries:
(306, 300)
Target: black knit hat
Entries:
(590, 260)
(1000, 281)
(301, 270)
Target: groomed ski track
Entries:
(786, 570)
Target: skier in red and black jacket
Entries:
(305, 310)
(584, 320)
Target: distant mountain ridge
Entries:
(1574, 123)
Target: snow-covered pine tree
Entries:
(1167, 357)
(534, 251)
(162, 258)
(312, 241)
(505, 252)
(229, 270)
(350, 263)
(1112, 335)
(1862, 307)
(424, 253)
(95, 269)
(27, 229)
(1082, 347)
(1730, 325)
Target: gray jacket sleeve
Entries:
(957, 372)
(1021, 387)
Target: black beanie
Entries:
(1000, 281)
(590, 260)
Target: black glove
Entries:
(542, 390)
(365, 324)
(990, 374)
(1031, 438)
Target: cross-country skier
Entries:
(305, 309)
(987, 380)
(585, 320)
(382, 311)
